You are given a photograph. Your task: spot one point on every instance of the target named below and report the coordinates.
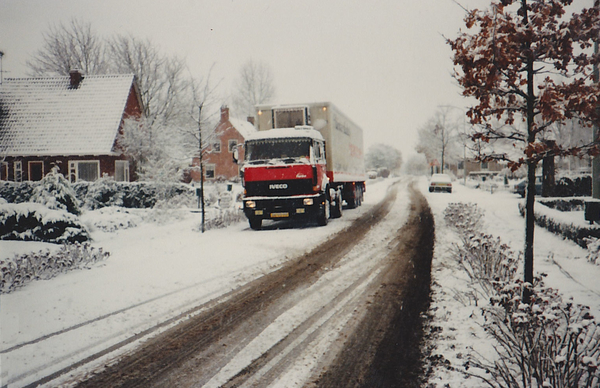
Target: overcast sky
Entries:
(384, 63)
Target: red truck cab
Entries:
(285, 176)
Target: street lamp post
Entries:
(201, 167)
(1, 70)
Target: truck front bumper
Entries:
(283, 207)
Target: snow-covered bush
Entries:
(16, 192)
(20, 270)
(486, 260)
(222, 218)
(465, 217)
(111, 219)
(545, 343)
(593, 248)
(35, 222)
(55, 192)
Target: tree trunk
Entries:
(548, 173)
(531, 165)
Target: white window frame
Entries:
(125, 167)
(18, 171)
(214, 149)
(29, 168)
(212, 167)
(74, 169)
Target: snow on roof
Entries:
(278, 133)
(45, 116)
(245, 128)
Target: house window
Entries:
(484, 165)
(84, 170)
(209, 171)
(4, 171)
(232, 144)
(216, 147)
(121, 171)
(18, 169)
(36, 171)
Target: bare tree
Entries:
(162, 80)
(383, 156)
(438, 138)
(253, 86)
(67, 47)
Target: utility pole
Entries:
(201, 167)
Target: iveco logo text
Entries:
(278, 186)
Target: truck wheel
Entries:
(336, 209)
(360, 196)
(352, 203)
(255, 223)
(323, 215)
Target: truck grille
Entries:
(279, 188)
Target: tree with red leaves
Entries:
(529, 64)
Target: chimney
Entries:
(224, 113)
(251, 119)
(75, 78)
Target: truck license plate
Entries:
(280, 215)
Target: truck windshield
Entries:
(268, 149)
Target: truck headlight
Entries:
(250, 204)
(308, 201)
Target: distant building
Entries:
(476, 168)
(70, 122)
(218, 157)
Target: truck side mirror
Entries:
(235, 154)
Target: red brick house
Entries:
(70, 122)
(218, 158)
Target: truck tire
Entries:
(255, 223)
(336, 209)
(324, 213)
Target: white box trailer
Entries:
(343, 138)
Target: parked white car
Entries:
(440, 182)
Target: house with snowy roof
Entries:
(218, 157)
(70, 122)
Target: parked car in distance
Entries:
(440, 182)
(372, 174)
(520, 187)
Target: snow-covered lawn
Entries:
(457, 315)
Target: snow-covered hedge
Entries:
(564, 204)
(570, 226)
(20, 270)
(35, 222)
(573, 186)
(93, 195)
(138, 195)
